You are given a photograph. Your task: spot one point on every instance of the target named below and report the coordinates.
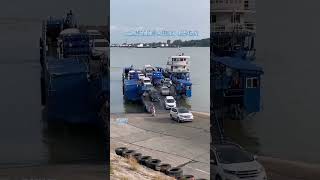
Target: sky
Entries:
(158, 15)
(91, 12)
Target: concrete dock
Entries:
(185, 145)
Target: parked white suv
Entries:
(231, 162)
(181, 114)
(169, 102)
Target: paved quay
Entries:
(180, 144)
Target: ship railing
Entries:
(236, 27)
(223, 6)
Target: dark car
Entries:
(154, 97)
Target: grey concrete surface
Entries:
(180, 144)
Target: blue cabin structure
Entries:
(157, 78)
(236, 85)
(131, 87)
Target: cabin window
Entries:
(213, 18)
(246, 4)
(252, 82)
(235, 18)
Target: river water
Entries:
(199, 67)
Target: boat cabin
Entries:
(237, 81)
(178, 64)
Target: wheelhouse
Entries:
(237, 82)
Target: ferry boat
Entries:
(235, 79)
(178, 70)
(74, 87)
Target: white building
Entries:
(140, 45)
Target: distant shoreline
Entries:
(168, 44)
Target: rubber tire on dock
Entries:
(43, 91)
(137, 156)
(164, 168)
(175, 172)
(186, 177)
(154, 164)
(119, 151)
(144, 159)
(128, 153)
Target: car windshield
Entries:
(183, 110)
(97, 36)
(170, 100)
(100, 44)
(229, 156)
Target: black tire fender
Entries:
(186, 177)
(144, 159)
(164, 168)
(137, 156)
(175, 172)
(128, 153)
(119, 151)
(154, 164)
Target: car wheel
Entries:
(171, 117)
(178, 120)
(218, 177)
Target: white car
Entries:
(181, 114)
(231, 162)
(169, 102)
(165, 91)
(141, 76)
(167, 82)
(146, 80)
(147, 83)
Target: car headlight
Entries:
(262, 170)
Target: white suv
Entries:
(169, 102)
(181, 115)
(231, 162)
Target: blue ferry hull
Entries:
(70, 96)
